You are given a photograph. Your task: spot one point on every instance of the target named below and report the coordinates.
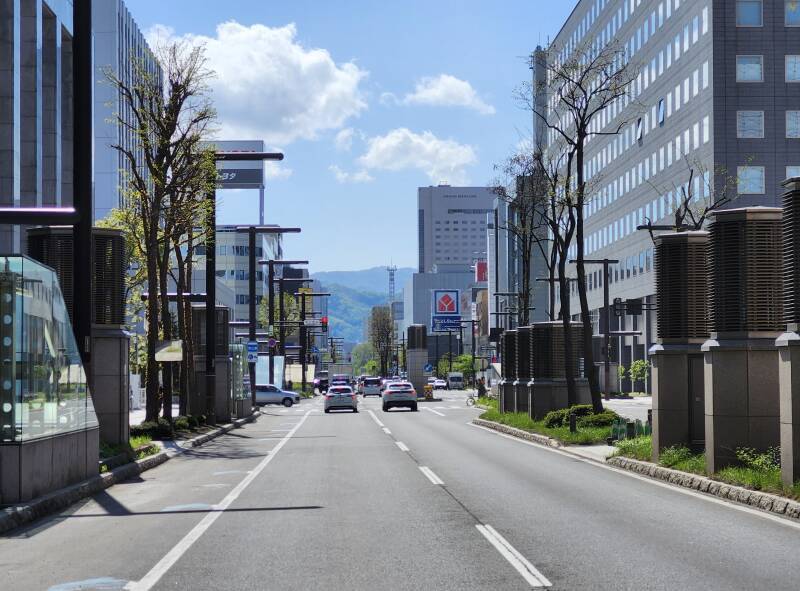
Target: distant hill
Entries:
(348, 310)
(375, 280)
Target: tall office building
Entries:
(452, 225)
(36, 108)
(119, 47)
(717, 91)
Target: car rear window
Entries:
(399, 386)
(341, 390)
(372, 381)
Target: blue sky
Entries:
(368, 101)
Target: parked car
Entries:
(399, 394)
(270, 394)
(340, 397)
(371, 387)
(439, 384)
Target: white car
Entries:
(269, 394)
(341, 397)
(399, 394)
(439, 385)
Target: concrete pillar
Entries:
(789, 383)
(416, 360)
(111, 382)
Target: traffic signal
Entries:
(324, 322)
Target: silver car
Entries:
(269, 394)
(341, 397)
(371, 387)
(399, 394)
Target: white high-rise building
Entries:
(452, 225)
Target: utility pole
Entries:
(303, 331)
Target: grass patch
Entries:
(758, 471)
(490, 403)
(520, 420)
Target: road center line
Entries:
(402, 446)
(436, 412)
(376, 419)
(431, 475)
(168, 561)
(386, 430)
(529, 572)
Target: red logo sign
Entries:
(446, 304)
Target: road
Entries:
(399, 500)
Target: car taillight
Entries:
(328, 396)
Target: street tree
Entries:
(170, 117)
(381, 333)
(588, 88)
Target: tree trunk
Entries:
(166, 324)
(586, 318)
(569, 360)
(153, 402)
(180, 306)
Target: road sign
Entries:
(271, 343)
(252, 351)
(312, 322)
(445, 323)
(428, 368)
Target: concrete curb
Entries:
(17, 515)
(519, 433)
(737, 494)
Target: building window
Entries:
(751, 180)
(749, 13)
(792, 15)
(661, 113)
(750, 124)
(792, 172)
(639, 130)
(793, 124)
(750, 68)
(793, 68)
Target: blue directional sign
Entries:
(445, 323)
(428, 367)
(252, 351)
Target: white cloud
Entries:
(362, 176)
(344, 139)
(402, 149)
(445, 90)
(269, 86)
(276, 172)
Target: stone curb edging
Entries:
(17, 515)
(519, 433)
(738, 494)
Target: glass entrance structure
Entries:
(48, 426)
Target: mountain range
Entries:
(353, 294)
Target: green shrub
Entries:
(157, 430)
(681, 457)
(520, 420)
(766, 461)
(192, 421)
(603, 419)
(639, 371)
(560, 417)
(182, 423)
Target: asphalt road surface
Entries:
(400, 500)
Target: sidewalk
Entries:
(136, 417)
(631, 408)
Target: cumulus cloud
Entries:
(362, 176)
(275, 172)
(269, 86)
(445, 90)
(402, 149)
(344, 139)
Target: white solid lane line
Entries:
(151, 578)
(431, 476)
(521, 564)
(402, 446)
(385, 430)
(436, 412)
(376, 419)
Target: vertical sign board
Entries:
(446, 312)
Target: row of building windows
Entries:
(750, 124)
(230, 250)
(244, 299)
(627, 268)
(750, 13)
(750, 68)
(238, 274)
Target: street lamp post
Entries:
(252, 231)
(271, 308)
(606, 322)
(303, 335)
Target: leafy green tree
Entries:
(360, 356)
(622, 373)
(639, 371)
